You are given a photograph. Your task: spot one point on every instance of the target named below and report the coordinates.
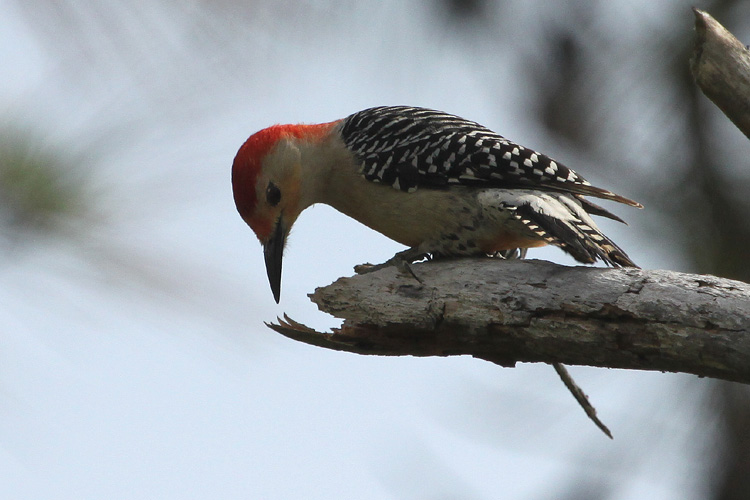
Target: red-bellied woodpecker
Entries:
(439, 184)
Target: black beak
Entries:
(273, 252)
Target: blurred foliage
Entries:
(469, 11)
(42, 187)
(729, 473)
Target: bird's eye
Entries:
(273, 195)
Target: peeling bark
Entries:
(536, 311)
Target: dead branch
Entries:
(536, 311)
(721, 68)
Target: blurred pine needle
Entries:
(41, 184)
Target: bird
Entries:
(437, 183)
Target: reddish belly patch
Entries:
(507, 241)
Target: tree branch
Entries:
(721, 68)
(536, 311)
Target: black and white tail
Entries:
(565, 221)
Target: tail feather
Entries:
(564, 221)
(594, 209)
(587, 189)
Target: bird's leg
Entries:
(401, 261)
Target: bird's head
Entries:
(268, 188)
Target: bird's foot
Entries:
(511, 254)
(401, 261)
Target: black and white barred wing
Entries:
(409, 148)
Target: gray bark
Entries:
(721, 68)
(537, 311)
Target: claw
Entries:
(401, 261)
(512, 254)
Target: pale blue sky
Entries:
(134, 362)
